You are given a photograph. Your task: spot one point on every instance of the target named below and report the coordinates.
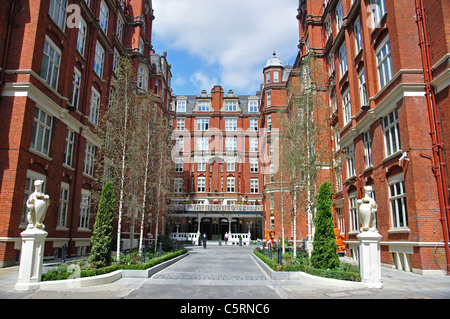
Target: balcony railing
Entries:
(215, 208)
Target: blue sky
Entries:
(225, 42)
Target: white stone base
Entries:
(370, 260)
(32, 255)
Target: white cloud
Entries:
(234, 38)
(203, 81)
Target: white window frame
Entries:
(353, 213)
(57, 12)
(103, 17)
(178, 165)
(276, 76)
(391, 130)
(51, 60)
(119, 28)
(254, 144)
(350, 154)
(269, 99)
(201, 184)
(181, 124)
(339, 15)
(367, 149)
(397, 202)
(231, 164)
(231, 106)
(343, 63)
(253, 106)
(89, 159)
(94, 108)
(63, 204)
(99, 60)
(181, 106)
(202, 143)
(202, 124)
(254, 185)
(179, 144)
(204, 106)
(68, 148)
(178, 185)
(362, 88)
(384, 62)
(231, 124)
(230, 185)
(269, 123)
(230, 144)
(254, 162)
(346, 106)
(201, 164)
(42, 132)
(358, 34)
(82, 34)
(116, 60)
(253, 124)
(378, 11)
(85, 209)
(143, 76)
(76, 88)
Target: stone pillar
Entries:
(32, 255)
(370, 261)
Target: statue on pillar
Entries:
(37, 204)
(367, 209)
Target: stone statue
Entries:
(37, 204)
(367, 208)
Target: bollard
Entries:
(269, 250)
(160, 249)
(280, 257)
(264, 248)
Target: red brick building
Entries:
(55, 77)
(376, 90)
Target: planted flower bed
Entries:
(344, 272)
(67, 270)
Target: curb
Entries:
(299, 275)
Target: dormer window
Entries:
(231, 106)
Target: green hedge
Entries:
(61, 273)
(346, 273)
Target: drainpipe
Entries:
(438, 167)
(7, 42)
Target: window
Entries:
(367, 149)
(253, 106)
(68, 149)
(178, 185)
(358, 35)
(231, 106)
(231, 164)
(333, 101)
(253, 165)
(378, 11)
(230, 144)
(181, 106)
(254, 125)
(230, 184)
(201, 164)
(82, 32)
(269, 123)
(276, 78)
(179, 165)
(343, 59)
(203, 106)
(42, 130)
(141, 46)
(143, 78)
(58, 12)
(397, 200)
(202, 124)
(341, 220)
(179, 144)
(180, 124)
(328, 28)
(391, 133)
(63, 204)
(50, 63)
(253, 145)
(104, 17)
(29, 189)
(362, 88)
(95, 107)
(331, 63)
(230, 124)
(201, 184)
(202, 143)
(254, 186)
(269, 99)
(89, 159)
(268, 77)
(271, 201)
(351, 161)
(76, 87)
(354, 222)
(347, 106)
(116, 60)
(339, 11)
(85, 209)
(99, 60)
(119, 28)
(384, 62)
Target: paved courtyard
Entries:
(230, 272)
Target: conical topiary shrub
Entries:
(324, 254)
(102, 235)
